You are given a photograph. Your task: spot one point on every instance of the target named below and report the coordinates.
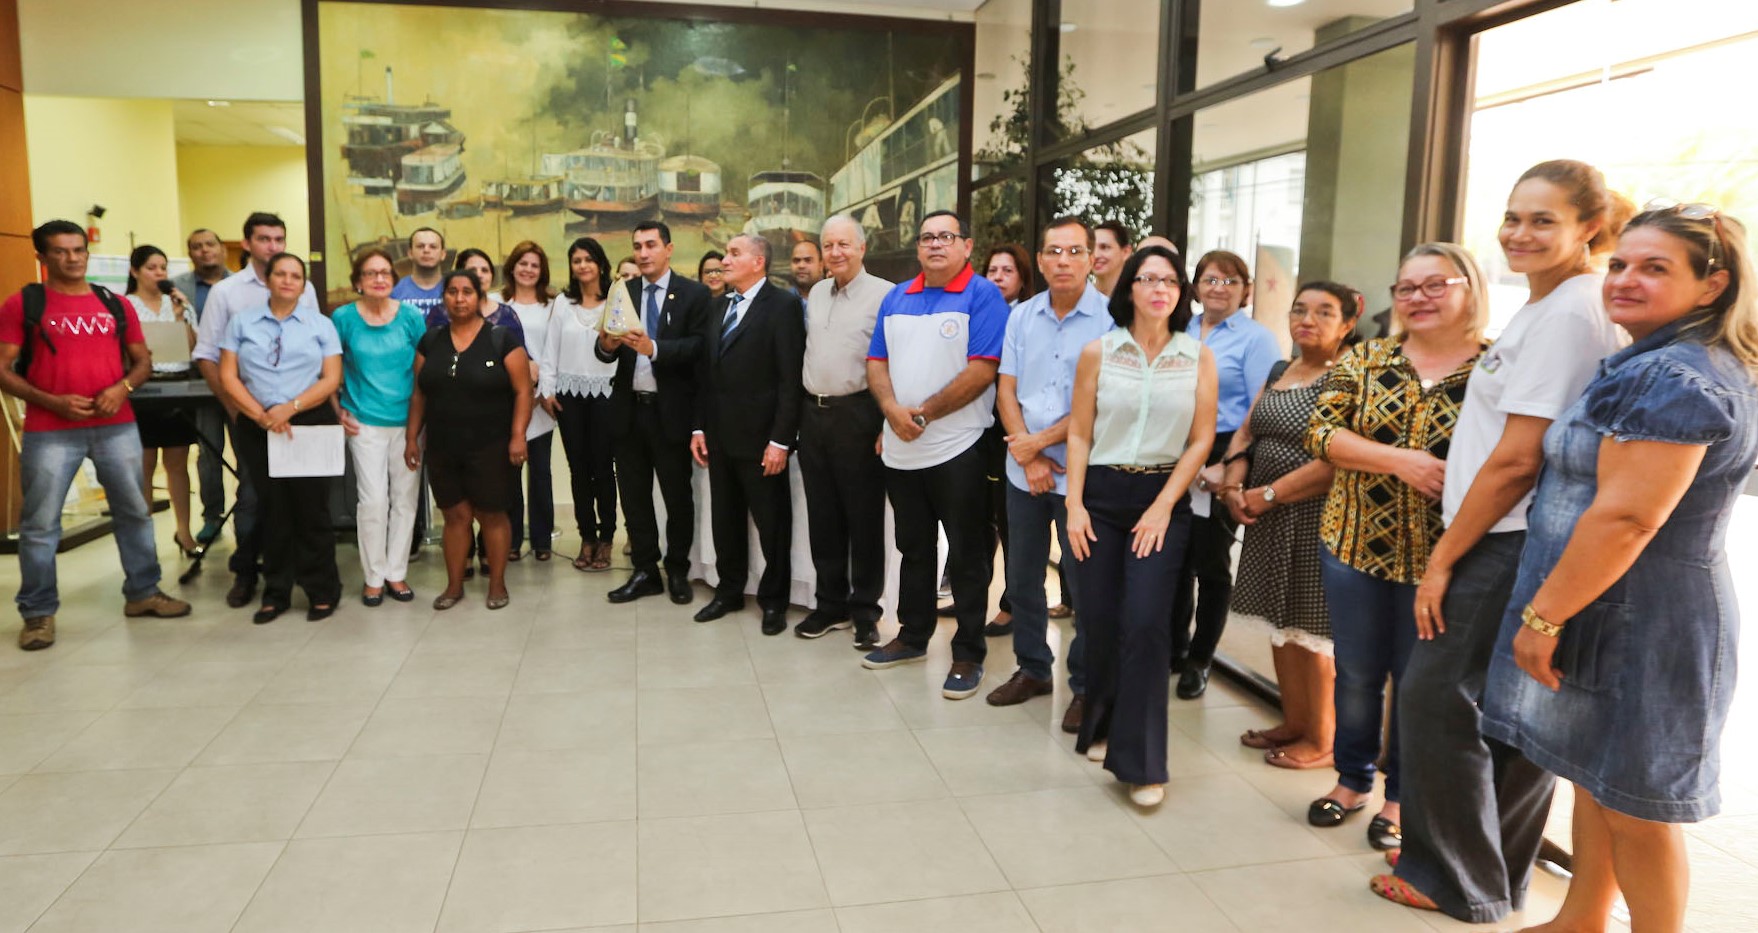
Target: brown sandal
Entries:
(1280, 758)
(1266, 738)
(600, 557)
(584, 561)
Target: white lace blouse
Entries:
(569, 366)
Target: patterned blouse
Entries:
(1375, 522)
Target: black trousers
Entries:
(245, 511)
(1474, 809)
(742, 495)
(845, 504)
(1208, 561)
(293, 520)
(643, 454)
(952, 494)
(994, 444)
(1125, 647)
(584, 422)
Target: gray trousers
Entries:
(1474, 809)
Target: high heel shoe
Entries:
(191, 550)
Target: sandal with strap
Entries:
(1266, 738)
(1327, 812)
(584, 561)
(1279, 758)
(1399, 891)
(600, 557)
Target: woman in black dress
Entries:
(473, 394)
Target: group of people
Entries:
(1474, 525)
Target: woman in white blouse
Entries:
(527, 292)
(1141, 427)
(574, 388)
(156, 302)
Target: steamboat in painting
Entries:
(411, 151)
(614, 178)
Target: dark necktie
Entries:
(732, 314)
(652, 310)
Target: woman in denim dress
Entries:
(1615, 664)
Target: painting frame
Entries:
(961, 34)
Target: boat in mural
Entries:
(905, 168)
(689, 187)
(786, 207)
(381, 134)
(524, 196)
(429, 176)
(615, 177)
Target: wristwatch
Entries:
(1269, 494)
(1532, 620)
(920, 420)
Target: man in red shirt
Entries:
(75, 392)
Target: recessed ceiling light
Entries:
(1281, 3)
(219, 103)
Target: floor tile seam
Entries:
(178, 768)
(1014, 892)
(57, 749)
(792, 792)
(68, 887)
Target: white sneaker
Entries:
(1096, 752)
(1147, 795)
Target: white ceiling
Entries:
(239, 123)
(243, 50)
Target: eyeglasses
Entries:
(275, 352)
(1213, 282)
(944, 238)
(1698, 211)
(1298, 313)
(1053, 252)
(1433, 288)
(376, 273)
(1157, 281)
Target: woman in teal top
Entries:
(1142, 425)
(379, 335)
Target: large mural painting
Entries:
(501, 125)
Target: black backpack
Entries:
(36, 299)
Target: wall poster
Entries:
(497, 125)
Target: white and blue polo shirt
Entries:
(928, 336)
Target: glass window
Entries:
(998, 216)
(1234, 37)
(1108, 47)
(1305, 181)
(1542, 93)
(1114, 181)
(1004, 46)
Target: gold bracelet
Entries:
(1532, 620)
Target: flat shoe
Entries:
(403, 595)
(267, 614)
(499, 602)
(540, 555)
(1399, 891)
(1384, 834)
(1392, 856)
(446, 600)
(1327, 812)
(1147, 795)
(373, 599)
(320, 613)
(1096, 752)
(1279, 758)
(1061, 611)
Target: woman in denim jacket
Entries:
(1615, 664)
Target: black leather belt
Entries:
(831, 401)
(647, 398)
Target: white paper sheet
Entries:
(541, 422)
(311, 450)
(1200, 500)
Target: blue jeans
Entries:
(211, 422)
(1373, 626)
(48, 461)
(1029, 521)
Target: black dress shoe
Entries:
(679, 585)
(241, 593)
(641, 583)
(320, 613)
(1193, 681)
(774, 621)
(267, 614)
(718, 607)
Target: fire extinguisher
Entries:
(92, 216)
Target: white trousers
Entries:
(385, 518)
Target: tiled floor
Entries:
(569, 765)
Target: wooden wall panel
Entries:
(15, 180)
(18, 263)
(11, 67)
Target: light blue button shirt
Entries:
(1040, 352)
(278, 359)
(1244, 351)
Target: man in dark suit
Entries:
(749, 415)
(653, 400)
